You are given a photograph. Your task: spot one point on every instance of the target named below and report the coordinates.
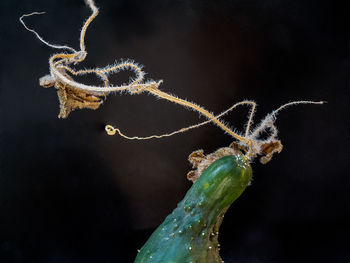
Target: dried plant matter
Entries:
(200, 162)
(73, 95)
(70, 97)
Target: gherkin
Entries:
(190, 232)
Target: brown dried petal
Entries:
(202, 162)
(237, 147)
(268, 149)
(192, 176)
(196, 158)
(72, 98)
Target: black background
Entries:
(70, 193)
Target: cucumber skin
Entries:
(190, 233)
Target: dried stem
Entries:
(73, 94)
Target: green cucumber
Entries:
(190, 232)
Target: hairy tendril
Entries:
(73, 95)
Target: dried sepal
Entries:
(196, 158)
(238, 147)
(204, 161)
(191, 176)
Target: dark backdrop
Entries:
(69, 193)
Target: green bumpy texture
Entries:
(190, 233)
